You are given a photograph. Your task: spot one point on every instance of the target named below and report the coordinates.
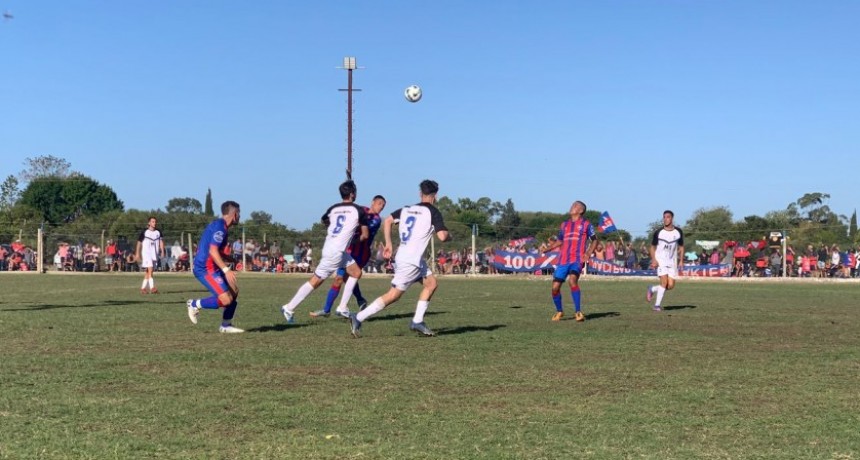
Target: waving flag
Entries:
(607, 225)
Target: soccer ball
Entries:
(413, 93)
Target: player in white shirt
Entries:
(417, 224)
(342, 221)
(667, 256)
(149, 247)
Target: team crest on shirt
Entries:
(218, 237)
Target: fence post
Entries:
(784, 252)
(474, 255)
(244, 263)
(40, 249)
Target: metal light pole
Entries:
(349, 65)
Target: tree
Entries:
(66, 199)
(9, 193)
(508, 224)
(45, 166)
(709, 224)
(852, 227)
(187, 205)
(208, 209)
(261, 218)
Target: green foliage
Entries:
(707, 224)
(208, 207)
(508, 226)
(852, 227)
(184, 205)
(67, 199)
(45, 166)
(9, 193)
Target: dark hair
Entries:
(669, 212)
(150, 218)
(227, 206)
(429, 187)
(379, 197)
(347, 188)
(584, 207)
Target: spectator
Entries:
(776, 263)
(631, 261)
(3, 262)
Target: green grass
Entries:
(92, 369)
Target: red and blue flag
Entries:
(607, 225)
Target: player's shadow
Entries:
(604, 314)
(678, 307)
(404, 315)
(468, 329)
(106, 303)
(278, 327)
(516, 306)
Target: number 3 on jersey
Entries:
(408, 223)
(338, 225)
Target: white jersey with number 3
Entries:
(417, 224)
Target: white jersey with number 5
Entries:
(417, 223)
(667, 243)
(342, 221)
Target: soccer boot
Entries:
(579, 316)
(230, 329)
(319, 314)
(355, 326)
(648, 294)
(558, 316)
(193, 312)
(288, 315)
(657, 308)
(362, 305)
(422, 329)
(342, 313)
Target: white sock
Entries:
(654, 288)
(152, 283)
(375, 307)
(660, 291)
(145, 283)
(303, 292)
(346, 293)
(420, 309)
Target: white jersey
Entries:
(667, 243)
(342, 220)
(418, 223)
(150, 244)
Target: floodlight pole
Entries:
(349, 65)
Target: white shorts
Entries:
(406, 275)
(330, 263)
(670, 270)
(147, 262)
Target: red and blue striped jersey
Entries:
(574, 236)
(215, 234)
(361, 250)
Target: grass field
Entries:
(92, 369)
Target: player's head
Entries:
(152, 222)
(230, 211)
(378, 204)
(348, 190)
(429, 189)
(577, 209)
(668, 218)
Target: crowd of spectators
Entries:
(17, 256)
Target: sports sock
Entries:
(654, 288)
(303, 292)
(208, 302)
(577, 297)
(371, 310)
(229, 312)
(660, 291)
(420, 309)
(329, 300)
(151, 283)
(556, 299)
(145, 283)
(347, 293)
(357, 293)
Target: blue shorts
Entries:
(562, 271)
(214, 281)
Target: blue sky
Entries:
(630, 106)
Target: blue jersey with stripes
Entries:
(214, 235)
(361, 250)
(574, 236)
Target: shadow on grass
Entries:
(278, 327)
(468, 329)
(106, 303)
(605, 314)
(678, 307)
(404, 315)
(516, 306)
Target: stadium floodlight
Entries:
(349, 66)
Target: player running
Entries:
(360, 252)
(667, 254)
(149, 247)
(343, 221)
(418, 223)
(572, 237)
(212, 270)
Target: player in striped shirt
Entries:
(360, 252)
(667, 255)
(577, 241)
(343, 220)
(212, 270)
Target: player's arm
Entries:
(652, 251)
(386, 233)
(592, 245)
(163, 251)
(552, 246)
(680, 248)
(364, 232)
(438, 224)
(215, 254)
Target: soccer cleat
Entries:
(422, 329)
(342, 314)
(193, 311)
(153, 291)
(319, 314)
(579, 316)
(648, 294)
(355, 326)
(230, 330)
(143, 292)
(657, 308)
(362, 305)
(288, 315)
(558, 316)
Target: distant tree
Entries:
(9, 193)
(708, 224)
(61, 200)
(187, 204)
(208, 207)
(852, 227)
(261, 218)
(45, 166)
(508, 225)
